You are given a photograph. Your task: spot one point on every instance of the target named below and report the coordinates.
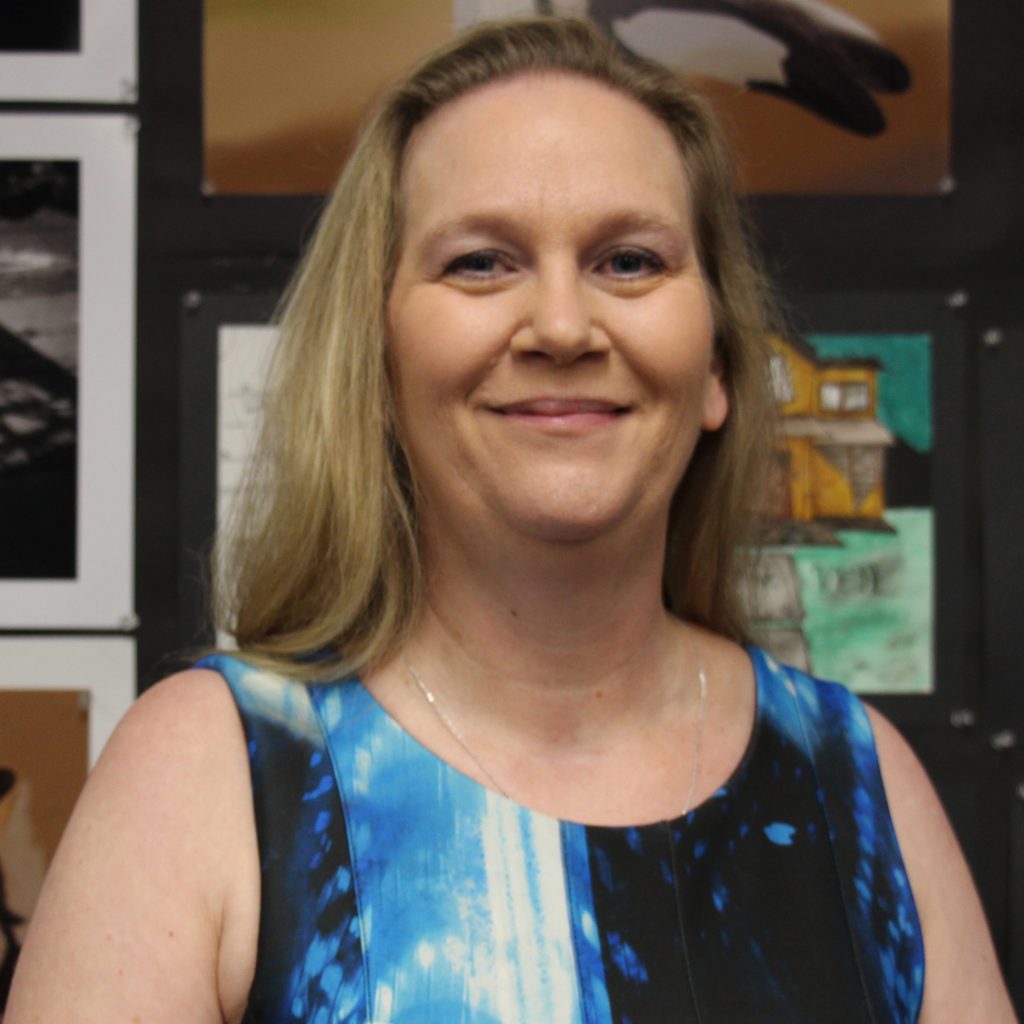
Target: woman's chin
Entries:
(571, 522)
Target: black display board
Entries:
(951, 264)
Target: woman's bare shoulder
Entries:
(150, 906)
(185, 711)
(196, 700)
(176, 756)
(962, 975)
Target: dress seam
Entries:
(823, 803)
(570, 885)
(343, 800)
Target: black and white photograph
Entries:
(54, 26)
(38, 368)
(67, 255)
(72, 50)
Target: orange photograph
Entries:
(846, 97)
(44, 744)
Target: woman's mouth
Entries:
(564, 414)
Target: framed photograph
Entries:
(101, 668)
(285, 126)
(60, 699)
(862, 572)
(81, 51)
(67, 324)
(227, 342)
(851, 97)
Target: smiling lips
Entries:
(562, 413)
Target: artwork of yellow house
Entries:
(830, 451)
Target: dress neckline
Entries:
(461, 779)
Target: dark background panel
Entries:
(1001, 462)
(976, 785)
(1015, 943)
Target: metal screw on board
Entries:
(947, 186)
(192, 300)
(957, 299)
(962, 718)
(1005, 739)
(992, 337)
(1020, 791)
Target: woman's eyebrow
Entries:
(615, 222)
(674, 237)
(626, 221)
(469, 224)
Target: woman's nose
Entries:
(559, 321)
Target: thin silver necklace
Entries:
(431, 699)
(450, 726)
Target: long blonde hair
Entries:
(323, 573)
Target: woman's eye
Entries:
(475, 264)
(633, 263)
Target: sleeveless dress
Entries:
(396, 890)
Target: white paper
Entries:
(242, 361)
(243, 358)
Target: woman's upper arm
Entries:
(962, 976)
(149, 909)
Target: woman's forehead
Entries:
(544, 141)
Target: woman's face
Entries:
(550, 327)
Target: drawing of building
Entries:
(831, 447)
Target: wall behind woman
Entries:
(964, 249)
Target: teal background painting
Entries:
(904, 385)
(868, 606)
(868, 600)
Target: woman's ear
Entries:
(716, 396)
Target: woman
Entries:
(518, 407)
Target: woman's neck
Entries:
(556, 642)
(556, 676)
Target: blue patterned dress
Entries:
(396, 890)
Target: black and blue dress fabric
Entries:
(397, 890)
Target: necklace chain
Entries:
(445, 719)
(450, 726)
(698, 739)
